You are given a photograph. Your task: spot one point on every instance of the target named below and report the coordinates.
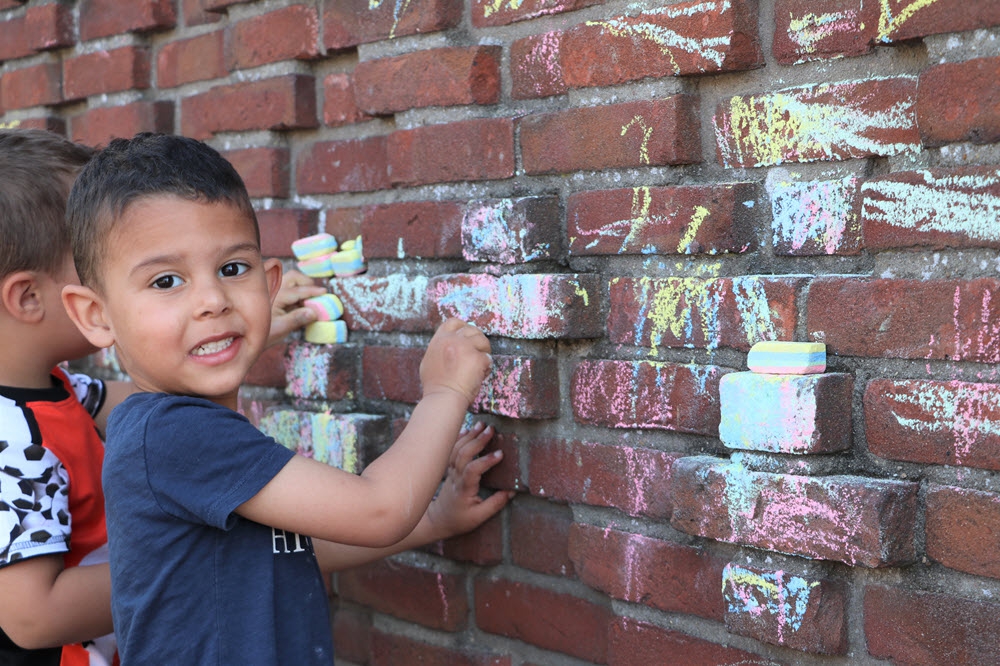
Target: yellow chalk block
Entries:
(326, 332)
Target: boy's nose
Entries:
(212, 300)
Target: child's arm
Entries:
(382, 505)
(44, 605)
(457, 509)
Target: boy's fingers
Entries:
(482, 464)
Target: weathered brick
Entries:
(48, 123)
(101, 18)
(351, 22)
(531, 306)
(935, 422)
(632, 567)
(98, 125)
(194, 59)
(919, 319)
(712, 219)
(196, 12)
(911, 627)
(962, 528)
(539, 538)
(353, 165)
(632, 134)
(396, 302)
(778, 607)
(909, 19)
(269, 368)
(290, 33)
(391, 649)
(632, 642)
(512, 231)
(279, 103)
(958, 102)
(14, 39)
(821, 217)
(807, 30)
(535, 67)
(935, 208)
(703, 312)
(486, 13)
(786, 413)
(280, 227)
(856, 520)
(647, 394)
(482, 546)
(103, 72)
(693, 37)
(506, 475)
(521, 387)
(413, 230)
(340, 440)
(265, 171)
(430, 598)
(352, 630)
(339, 105)
(36, 85)
(222, 5)
(481, 149)
(449, 76)
(542, 617)
(48, 27)
(344, 223)
(827, 121)
(392, 373)
(633, 479)
(320, 372)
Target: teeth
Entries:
(212, 347)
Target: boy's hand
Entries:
(457, 360)
(295, 288)
(458, 508)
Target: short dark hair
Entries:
(146, 165)
(37, 169)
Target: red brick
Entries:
(709, 219)
(105, 72)
(345, 223)
(535, 66)
(222, 5)
(827, 121)
(856, 520)
(339, 105)
(692, 37)
(392, 373)
(539, 538)
(280, 227)
(195, 12)
(633, 642)
(482, 546)
(269, 369)
(481, 149)
(352, 630)
(902, 21)
(280, 103)
(529, 306)
(14, 39)
(918, 319)
(645, 133)
(348, 23)
(37, 85)
(354, 165)
(346, 441)
(49, 27)
(48, 123)
(318, 372)
(512, 231)
(959, 102)
(550, 620)
(635, 480)
(97, 126)
(264, 170)
(448, 76)
(936, 208)
(667, 576)
(911, 627)
(194, 59)
(413, 230)
(11, 4)
(392, 650)
(291, 33)
(963, 529)
(781, 608)
(102, 18)
(486, 13)
(807, 30)
(934, 422)
(520, 387)
(396, 302)
(506, 475)
(703, 312)
(817, 217)
(433, 599)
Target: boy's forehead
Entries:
(167, 206)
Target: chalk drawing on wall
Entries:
(781, 596)
(814, 217)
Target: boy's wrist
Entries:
(445, 396)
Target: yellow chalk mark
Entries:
(640, 122)
(888, 23)
(494, 6)
(646, 31)
(700, 213)
(580, 291)
(10, 124)
(744, 577)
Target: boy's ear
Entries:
(272, 272)
(86, 310)
(21, 297)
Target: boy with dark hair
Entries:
(218, 533)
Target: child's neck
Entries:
(20, 372)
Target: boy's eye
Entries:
(233, 268)
(166, 282)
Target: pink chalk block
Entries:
(327, 307)
(311, 247)
(317, 267)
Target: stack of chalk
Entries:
(787, 358)
(319, 257)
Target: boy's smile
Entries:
(186, 296)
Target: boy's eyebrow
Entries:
(174, 258)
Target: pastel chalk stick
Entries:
(326, 332)
(317, 267)
(327, 307)
(787, 358)
(314, 246)
(348, 262)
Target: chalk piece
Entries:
(311, 247)
(327, 307)
(787, 358)
(350, 260)
(317, 267)
(326, 332)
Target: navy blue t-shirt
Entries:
(192, 582)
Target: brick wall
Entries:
(626, 197)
